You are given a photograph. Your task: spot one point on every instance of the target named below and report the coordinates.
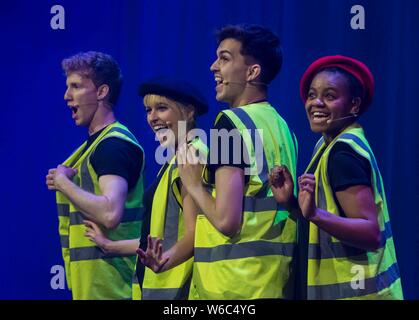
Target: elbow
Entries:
(374, 242)
(229, 229)
(112, 220)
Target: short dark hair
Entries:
(98, 66)
(257, 42)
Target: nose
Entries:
(152, 117)
(214, 66)
(318, 102)
(67, 95)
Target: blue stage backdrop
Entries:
(156, 37)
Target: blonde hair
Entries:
(150, 99)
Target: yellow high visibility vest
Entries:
(256, 262)
(337, 270)
(90, 273)
(167, 223)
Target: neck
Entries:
(250, 96)
(103, 117)
(330, 136)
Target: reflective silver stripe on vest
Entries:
(134, 277)
(317, 146)
(63, 210)
(171, 221)
(243, 250)
(167, 294)
(327, 249)
(354, 289)
(86, 182)
(91, 253)
(256, 140)
(130, 215)
(64, 241)
(253, 204)
(363, 146)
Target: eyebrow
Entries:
(224, 51)
(327, 88)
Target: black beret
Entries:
(175, 89)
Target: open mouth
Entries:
(218, 79)
(319, 116)
(74, 110)
(160, 127)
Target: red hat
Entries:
(354, 67)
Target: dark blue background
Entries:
(155, 37)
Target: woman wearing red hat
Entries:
(346, 244)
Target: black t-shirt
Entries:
(346, 168)
(117, 157)
(233, 155)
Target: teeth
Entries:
(218, 79)
(159, 127)
(319, 114)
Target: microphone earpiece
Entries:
(226, 82)
(353, 115)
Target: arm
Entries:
(121, 247)
(225, 211)
(360, 226)
(106, 209)
(182, 250)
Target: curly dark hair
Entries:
(257, 42)
(98, 66)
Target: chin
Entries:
(316, 128)
(219, 97)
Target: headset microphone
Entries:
(338, 119)
(226, 82)
(232, 82)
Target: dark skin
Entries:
(330, 98)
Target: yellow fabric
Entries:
(335, 276)
(255, 263)
(173, 283)
(90, 273)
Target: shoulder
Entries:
(223, 122)
(346, 167)
(115, 144)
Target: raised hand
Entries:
(282, 184)
(153, 257)
(190, 169)
(306, 195)
(54, 175)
